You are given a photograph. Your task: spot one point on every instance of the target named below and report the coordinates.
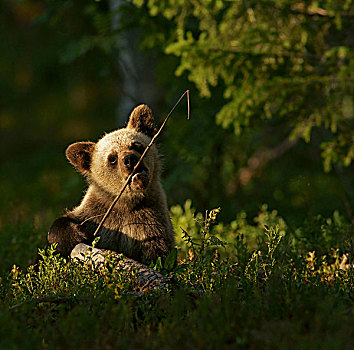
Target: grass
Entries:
(249, 284)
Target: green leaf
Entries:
(158, 265)
(171, 260)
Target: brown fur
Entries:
(139, 225)
(141, 120)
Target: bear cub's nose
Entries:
(130, 161)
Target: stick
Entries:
(140, 160)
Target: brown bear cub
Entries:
(139, 225)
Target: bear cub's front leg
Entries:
(67, 233)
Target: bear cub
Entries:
(139, 225)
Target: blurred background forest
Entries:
(271, 85)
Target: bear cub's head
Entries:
(109, 162)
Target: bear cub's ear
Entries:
(79, 155)
(141, 120)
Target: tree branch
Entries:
(147, 278)
(262, 156)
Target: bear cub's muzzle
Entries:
(140, 179)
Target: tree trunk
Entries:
(137, 81)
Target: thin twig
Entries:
(90, 218)
(140, 160)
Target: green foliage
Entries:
(171, 259)
(276, 81)
(322, 234)
(203, 269)
(55, 277)
(288, 296)
(282, 61)
(191, 223)
(262, 264)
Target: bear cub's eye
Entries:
(113, 159)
